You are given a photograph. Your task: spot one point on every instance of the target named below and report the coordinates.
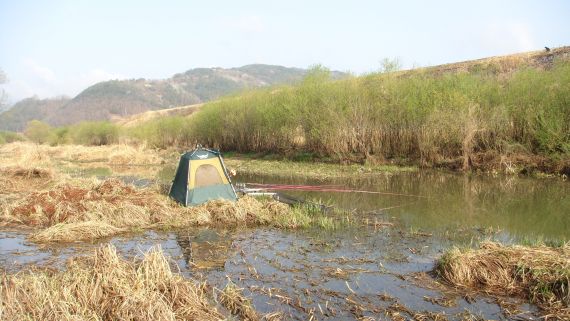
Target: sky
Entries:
(54, 48)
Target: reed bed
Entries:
(104, 286)
(540, 274)
(70, 232)
(72, 213)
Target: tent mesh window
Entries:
(207, 175)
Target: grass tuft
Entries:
(540, 274)
(233, 299)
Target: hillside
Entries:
(121, 98)
(504, 64)
(16, 118)
(137, 119)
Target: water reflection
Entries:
(520, 207)
(205, 248)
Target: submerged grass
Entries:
(540, 274)
(104, 286)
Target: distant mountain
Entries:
(16, 118)
(120, 98)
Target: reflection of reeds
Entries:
(105, 287)
(539, 273)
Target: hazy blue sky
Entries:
(50, 48)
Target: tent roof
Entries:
(201, 153)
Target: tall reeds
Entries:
(423, 117)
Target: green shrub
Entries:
(9, 137)
(163, 132)
(38, 132)
(417, 116)
(91, 133)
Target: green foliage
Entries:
(420, 116)
(38, 132)
(60, 136)
(163, 132)
(9, 137)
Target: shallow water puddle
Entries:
(335, 275)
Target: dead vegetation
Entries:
(23, 153)
(17, 179)
(71, 213)
(106, 287)
(540, 274)
(233, 299)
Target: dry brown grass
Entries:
(540, 273)
(71, 213)
(17, 179)
(106, 287)
(69, 232)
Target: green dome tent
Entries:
(201, 176)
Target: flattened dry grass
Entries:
(540, 274)
(71, 213)
(106, 287)
(110, 201)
